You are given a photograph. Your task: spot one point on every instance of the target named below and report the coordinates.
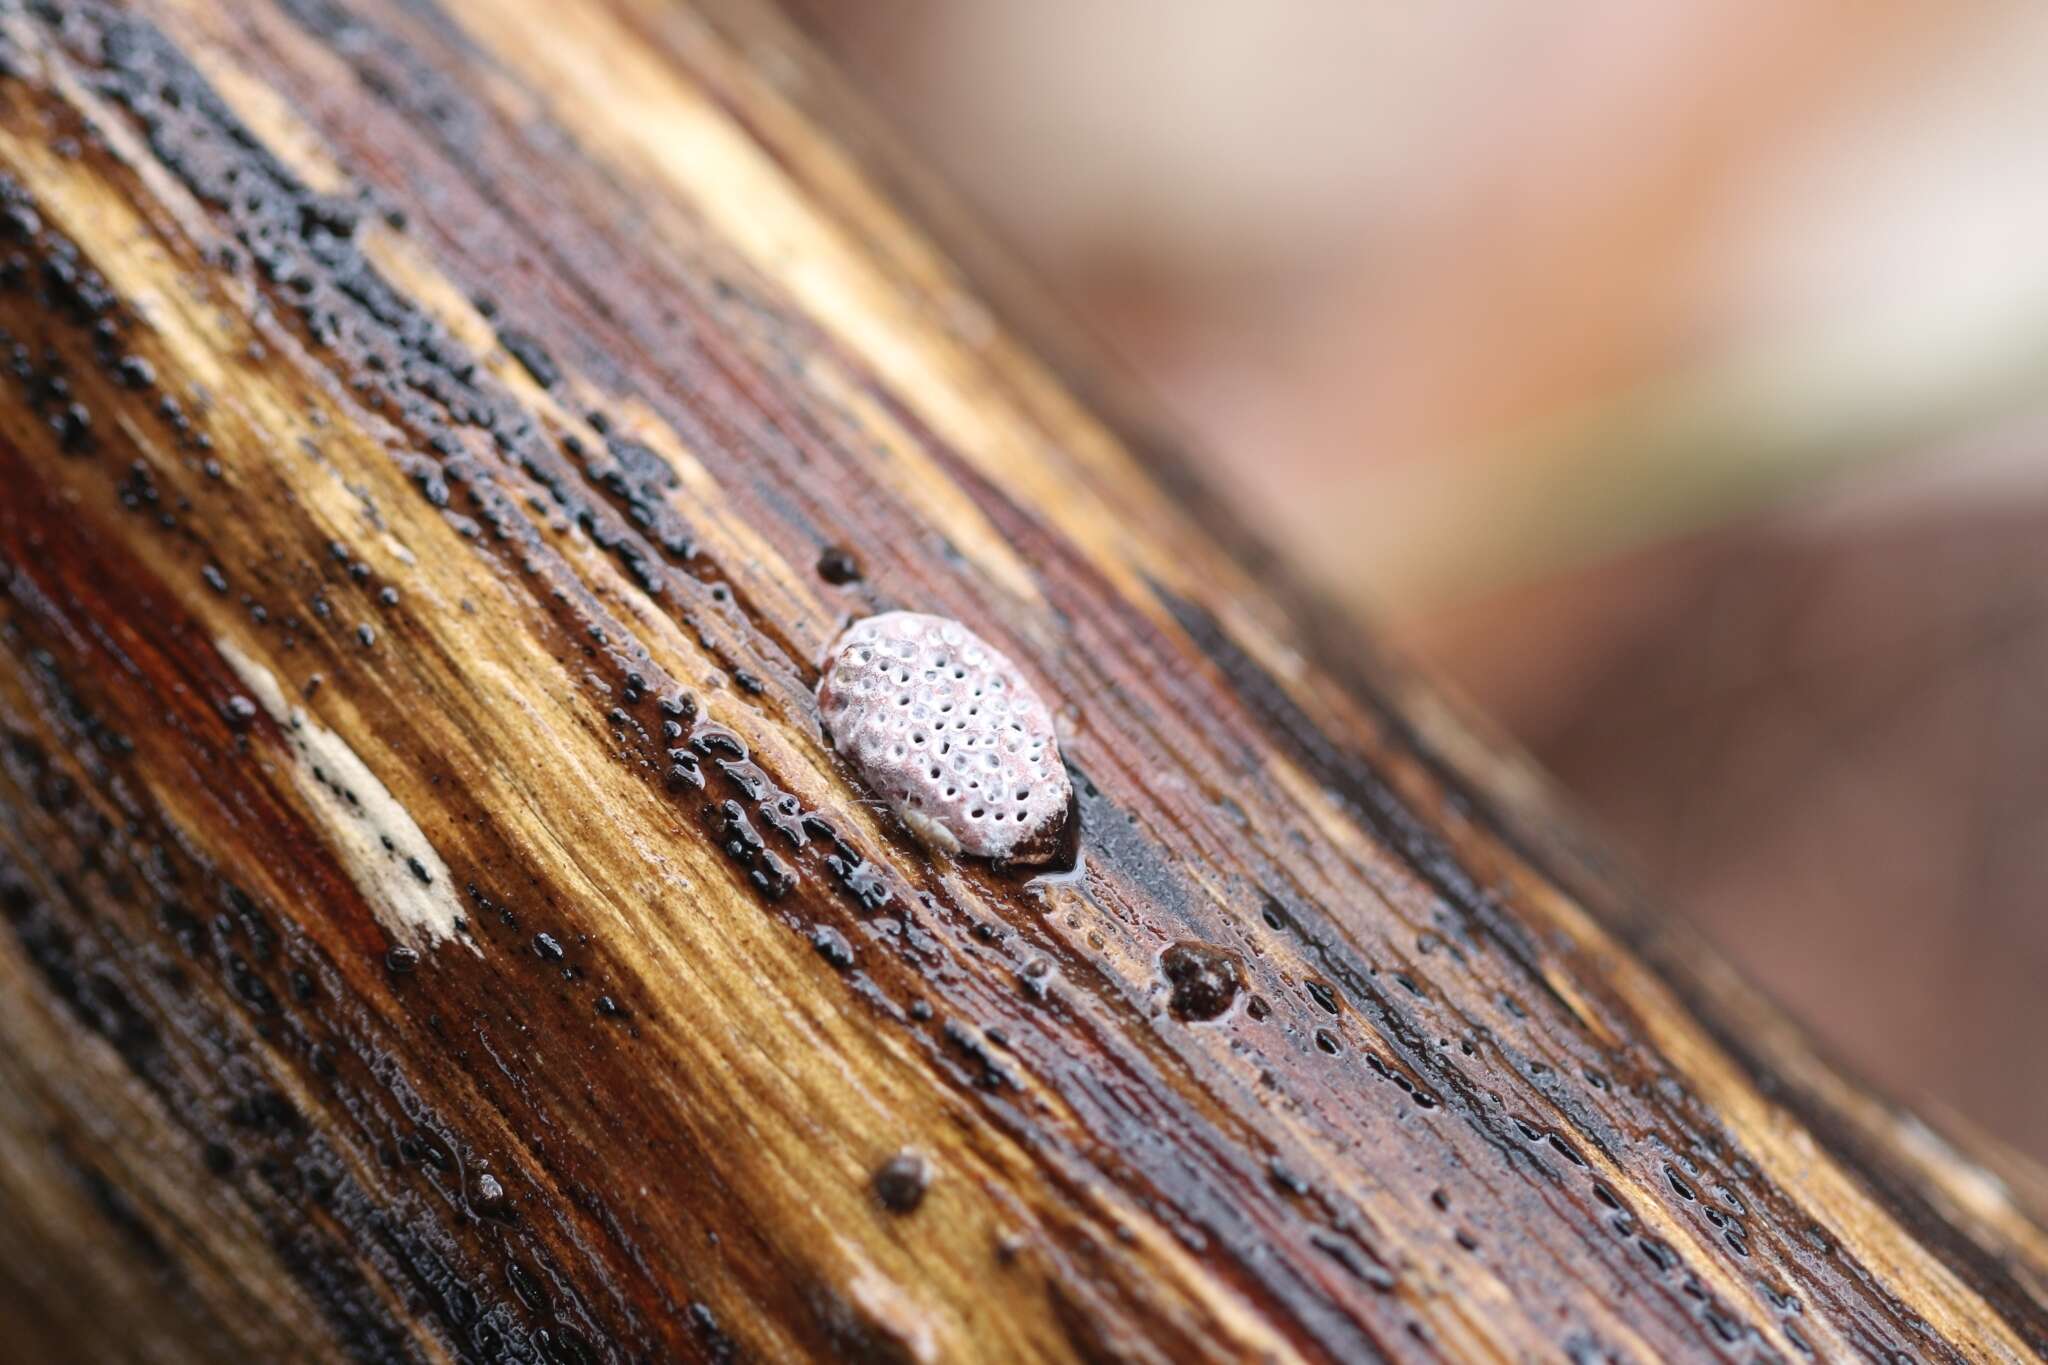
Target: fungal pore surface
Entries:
(943, 727)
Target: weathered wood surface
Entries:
(412, 401)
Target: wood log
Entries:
(442, 438)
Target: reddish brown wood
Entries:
(463, 425)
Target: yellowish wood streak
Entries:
(629, 107)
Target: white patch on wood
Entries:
(891, 1311)
(380, 846)
(396, 549)
(944, 727)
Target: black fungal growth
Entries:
(1205, 981)
(900, 1182)
(837, 567)
(832, 946)
(531, 355)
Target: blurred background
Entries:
(1673, 376)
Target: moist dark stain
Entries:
(1370, 796)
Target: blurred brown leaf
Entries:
(1823, 735)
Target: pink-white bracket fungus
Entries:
(943, 727)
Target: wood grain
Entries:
(438, 929)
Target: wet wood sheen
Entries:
(463, 423)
